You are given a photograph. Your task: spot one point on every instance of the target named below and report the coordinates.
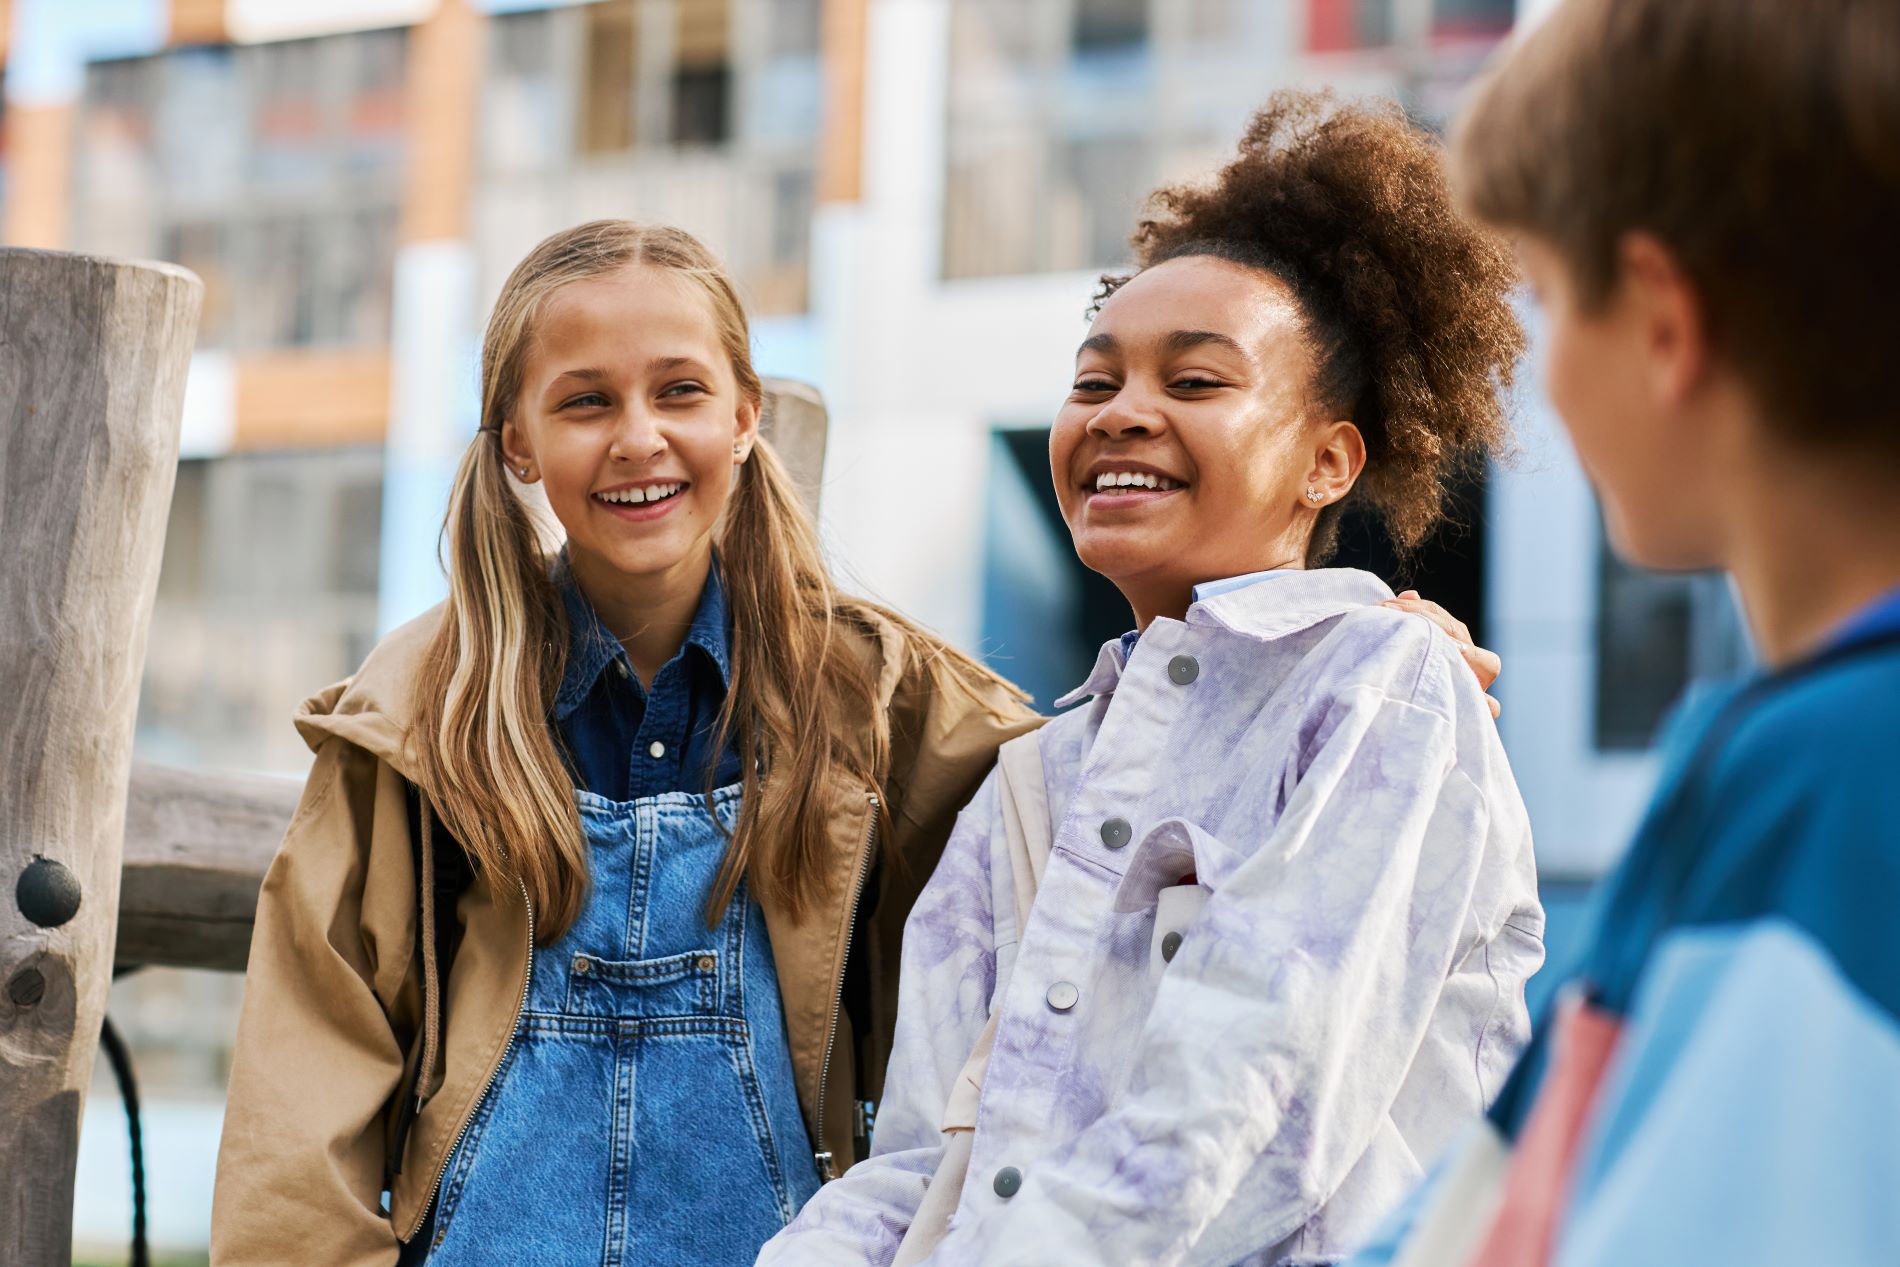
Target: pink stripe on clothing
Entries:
(1539, 1177)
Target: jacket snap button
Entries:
(1063, 995)
(1116, 832)
(1183, 669)
(581, 966)
(1170, 944)
(707, 963)
(1009, 1181)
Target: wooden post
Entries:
(92, 380)
(795, 421)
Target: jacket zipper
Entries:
(827, 1166)
(521, 1005)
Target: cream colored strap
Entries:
(1023, 797)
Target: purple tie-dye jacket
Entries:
(1350, 995)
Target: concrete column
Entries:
(434, 398)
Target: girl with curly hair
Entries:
(1216, 963)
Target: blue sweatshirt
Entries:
(1722, 1081)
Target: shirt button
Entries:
(1008, 1182)
(656, 750)
(1063, 995)
(620, 667)
(1170, 944)
(1183, 669)
(1116, 832)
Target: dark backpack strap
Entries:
(443, 874)
(859, 1011)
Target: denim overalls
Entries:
(645, 1112)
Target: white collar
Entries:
(1297, 600)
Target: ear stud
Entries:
(524, 472)
(1312, 494)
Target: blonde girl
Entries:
(581, 945)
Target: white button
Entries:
(656, 750)
(620, 667)
(1063, 995)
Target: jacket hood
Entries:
(373, 708)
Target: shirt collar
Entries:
(591, 647)
(1213, 589)
(1296, 600)
(1206, 591)
(1876, 619)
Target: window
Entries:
(657, 110)
(795, 26)
(1064, 114)
(607, 85)
(1489, 18)
(273, 171)
(701, 101)
(1110, 25)
(1334, 26)
(1655, 635)
(702, 74)
(524, 100)
(267, 588)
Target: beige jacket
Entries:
(333, 1003)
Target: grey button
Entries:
(1063, 995)
(1170, 944)
(1008, 1182)
(1183, 669)
(620, 667)
(1116, 832)
(656, 750)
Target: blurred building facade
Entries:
(918, 198)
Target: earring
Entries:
(524, 472)
(1313, 494)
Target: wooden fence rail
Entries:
(197, 845)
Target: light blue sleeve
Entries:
(1751, 1115)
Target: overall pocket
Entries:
(674, 985)
(702, 1072)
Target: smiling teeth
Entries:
(635, 496)
(1134, 479)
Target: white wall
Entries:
(917, 372)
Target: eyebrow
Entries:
(1176, 342)
(594, 374)
(1187, 340)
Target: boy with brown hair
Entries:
(1705, 196)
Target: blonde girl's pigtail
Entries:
(485, 749)
(788, 677)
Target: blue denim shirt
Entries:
(624, 741)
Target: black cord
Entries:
(121, 1060)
